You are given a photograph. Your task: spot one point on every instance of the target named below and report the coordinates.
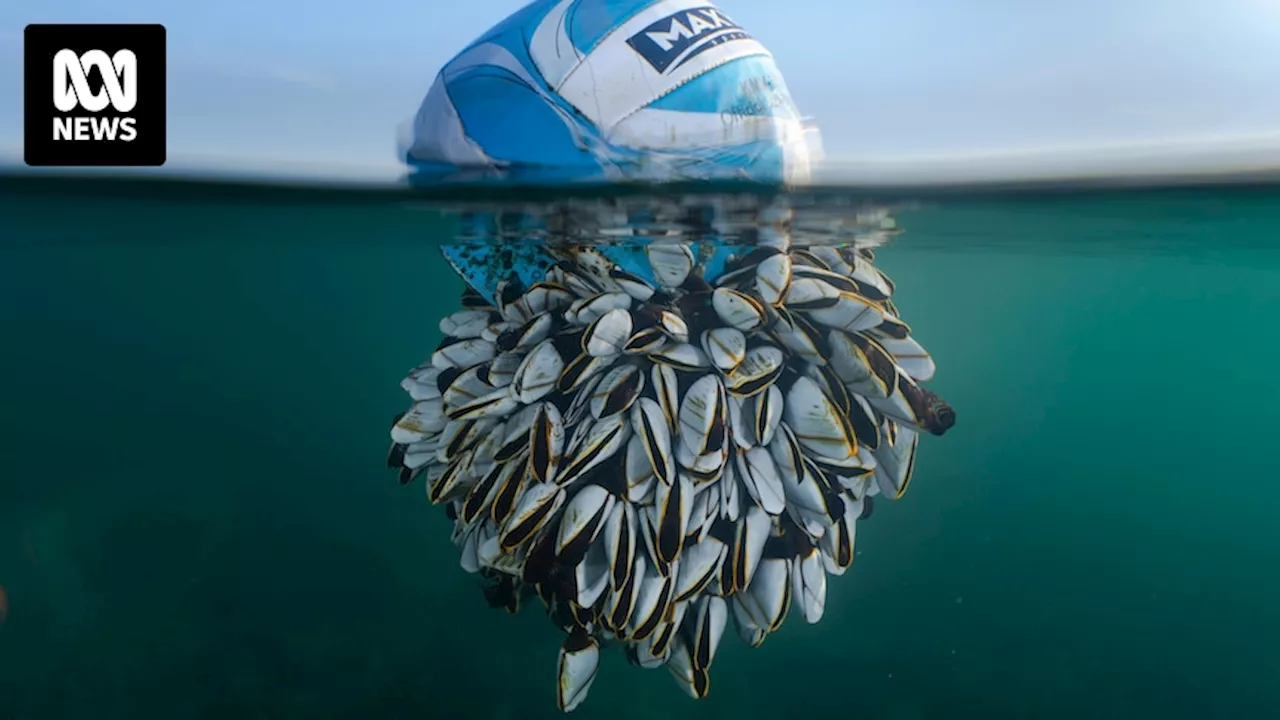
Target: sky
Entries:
(326, 83)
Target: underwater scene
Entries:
(715, 451)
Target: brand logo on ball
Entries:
(672, 41)
(108, 102)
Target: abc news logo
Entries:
(71, 90)
(107, 107)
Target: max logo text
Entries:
(672, 41)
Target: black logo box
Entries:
(41, 43)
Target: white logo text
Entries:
(700, 21)
(71, 90)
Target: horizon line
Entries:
(1216, 154)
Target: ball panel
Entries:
(653, 53)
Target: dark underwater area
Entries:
(196, 519)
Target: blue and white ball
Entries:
(613, 89)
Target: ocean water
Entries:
(196, 519)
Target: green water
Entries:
(196, 520)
